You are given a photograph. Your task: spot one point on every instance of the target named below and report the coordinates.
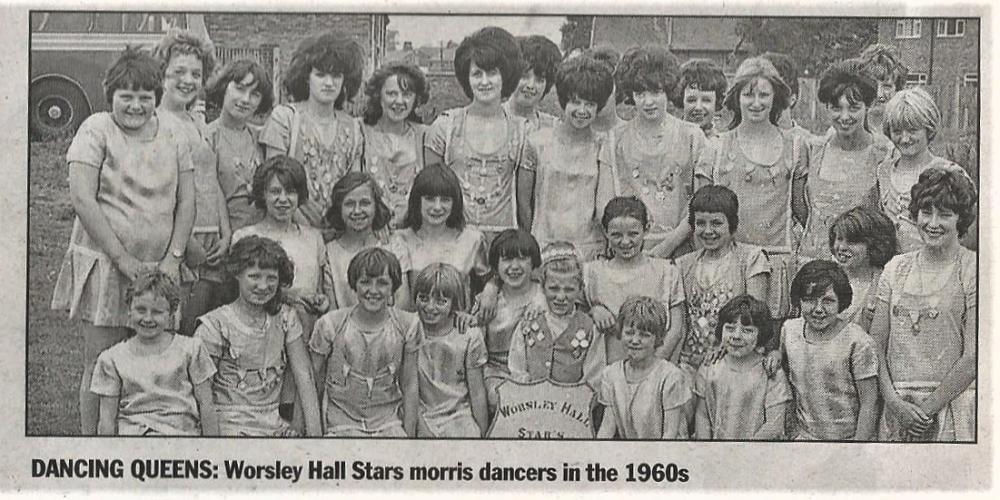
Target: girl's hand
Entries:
(194, 254)
(171, 266)
(771, 363)
(130, 266)
(486, 304)
(909, 414)
(292, 298)
(319, 304)
(217, 251)
(464, 322)
(602, 317)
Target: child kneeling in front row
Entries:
(737, 399)
(644, 394)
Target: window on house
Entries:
(971, 80)
(951, 27)
(908, 28)
(916, 79)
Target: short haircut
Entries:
(646, 314)
(541, 56)
(134, 69)
(787, 68)
(235, 72)
(435, 180)
(868, 226)
(625, 206)
(716, 199)
(332, 53)
(349, 182)
(408, 77)
(264, 253)
(513, 244)
(157, 283)
(746, 75)
(373, 262)
(184, 42)
(881, 61)
(560, 258)
(289, 172)
(812, 281)
(846, 79)
(443, 280)
(490, 48)
(945, 189)
(647, 68)
(747, 311)
(585, 78)
(912, 109)
(703, 75)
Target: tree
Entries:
(576, 33)
(814, 43)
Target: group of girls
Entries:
(401, 273)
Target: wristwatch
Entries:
(177, 253)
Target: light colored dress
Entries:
(467, 253)
(567, 351)
(863, 302)
(926, 330)
(654, 277)
(444, 364)
(824, 376)
(335, 282)
(239, 157)
(394, 161)
(738, 400)
(251, 364)
(572, 188)
(155, 393)
(363, 396)
(327, 149)
(498, 336)
(638, 408)
(487, 179)
(137, 194)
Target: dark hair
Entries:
(747, 74)
(408, 77)
(236, 72)
(331, 53)
(264, 253)
(747, 311)
(787, 68)
(289, 172)
(134, 69)
(881, 61)
(541, 56)
(349, 182)
(945, 189)
(490, 48)
(611, 57)
(626, 206)
(435, 180)
(815, 277)
(647, 68)
(868, 226)
(703, 75)
(716, 199)
(646, 314)
(514, 243)
(443, 279)
(586, 78)
(184, 42)
(372, 262)
(846, 79)
(158, 283)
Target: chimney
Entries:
(407, 45)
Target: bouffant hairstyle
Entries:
(409, 78)
(747, 74)
(157, 283)
(646, 314)
(912, 109)
(373, 262)
(882, 62)
(747, 311)
(349, 182)
(585, 78)
(647, 68)
(812, 281)
(868, 226)
(264, 253)
(289, 172)
(541, 56)
(435, 180)
(846, 79)
(184, 42)
(330, 53)
(490, 48)
(947, 189)
(703, 75)
(135, 69)
(715, 199)
(514, 244)
(235, 72)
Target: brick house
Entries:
(712, 38)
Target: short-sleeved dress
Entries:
(137, 194)
(705, 299)
(335, 281)
(566, 350)
(363, 393)
(638, 408)
(572, 186)
(926, 331)
(824, 377)
(659, 170)
(251, 364)
(155, 393)
(238, 156)
(444, 363)
(467, 252)
(327, 148)
(487, 179)
(738, 399)
(499, 332)
(393, 161)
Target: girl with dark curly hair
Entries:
(541, 59)
(699, 93)
(862, 240)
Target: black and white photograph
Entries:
(481, 249)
